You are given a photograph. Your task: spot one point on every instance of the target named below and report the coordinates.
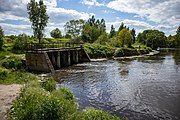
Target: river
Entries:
(146, 88)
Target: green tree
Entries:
(21, 42)
(121, 27)
(125, 37)
(102, 39)
(112, 32)
(92, 29)
(56, 33)
(178, 30)
(133, 33)
(153, 38)
(38, 16)
(74, 29)
(1, 37)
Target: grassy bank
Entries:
(102, 51)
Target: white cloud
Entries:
(11, 29)
(16, 10)
(61, 15)
(91, 3)
(139, 26)
(161, 11)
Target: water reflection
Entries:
(142, 88)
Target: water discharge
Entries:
(145, 88)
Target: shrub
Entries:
(50, 84)
(34, 103)
(3, 73)
(98, 51)
(13, 64)
(93, 114)
(64, 93)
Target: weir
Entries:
(51, 59)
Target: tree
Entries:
(102, 39)
(112, 32)
(133, 33)
(153, 38)
(178, 30)
(125, 38)
(21, 42)
(121, 27)
(92, 29)
(38, 16)
(1, 37)
(56, 33)
(74, 28)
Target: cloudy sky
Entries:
(163, 15)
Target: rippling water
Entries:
(141, 88)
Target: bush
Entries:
(64, 93)
(34, 103)
(93, 114)
(3, 73)
(98, 51)
(13, 64)
(126, 52)
(50, 84)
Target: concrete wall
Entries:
(36, 62)
(47, 61)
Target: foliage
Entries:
(13, 63)
(98, 51)
(3, 73)
(174, 41)
(121, 52)
(102, 39)
(64, 93)
(178, 31)
(112, 32)
(4, 54)
(1, 38)
(50, 84)
(93, 114)
(121, 27)
(92, 29)
(124, 38)
(38, 16)
(56, 33)
(74, 29)
(34, 103)
(133, 33)
(18, 77)
(152, 38)
(21, 42)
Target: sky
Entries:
(163, 15)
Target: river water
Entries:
(146, 88)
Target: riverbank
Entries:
(97, 51)
(154, 52)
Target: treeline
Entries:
(94, 31)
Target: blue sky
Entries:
(162, 15)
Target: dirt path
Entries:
(8, 93)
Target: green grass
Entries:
(18, 77)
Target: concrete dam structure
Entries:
(51, 59)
